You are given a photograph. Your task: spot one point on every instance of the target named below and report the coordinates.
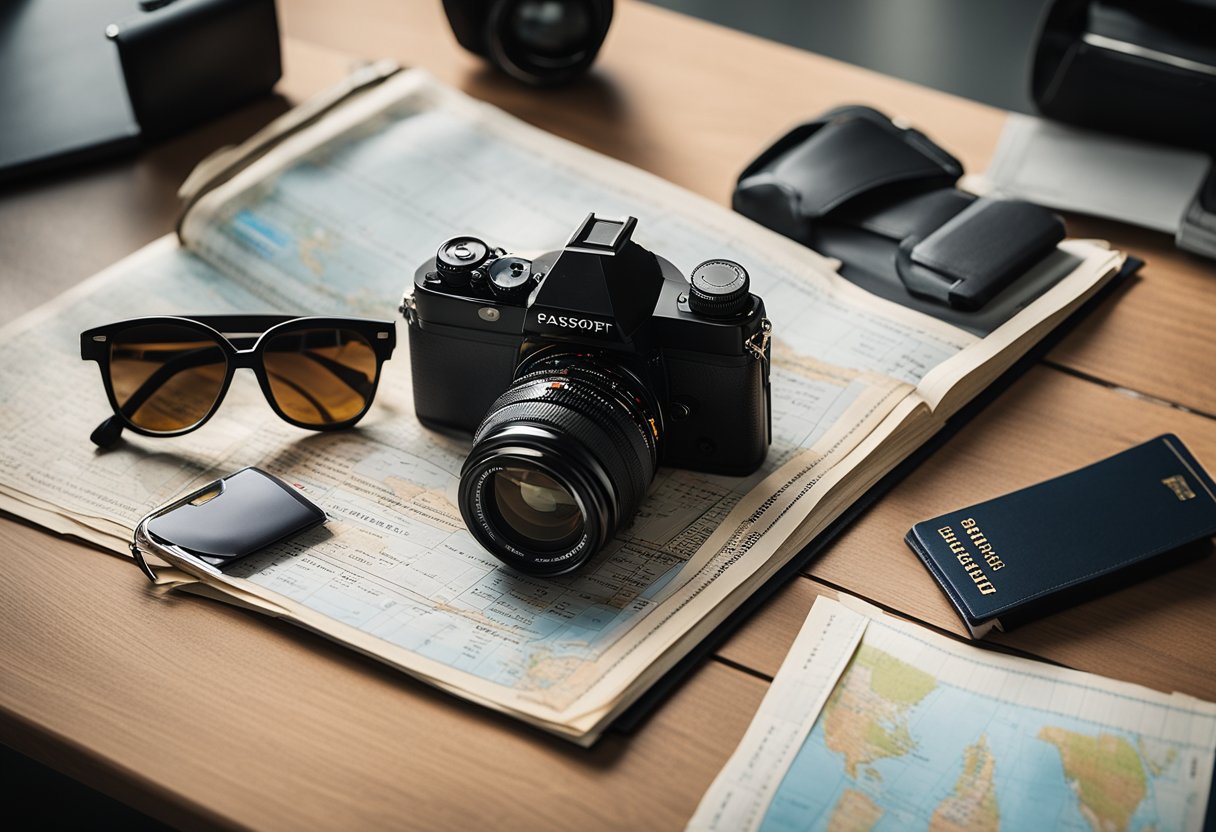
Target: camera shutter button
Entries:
(719, 289)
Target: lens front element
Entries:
(166, 378)
(546, 41)
(552, 27)
(320, 377)
(536, 509)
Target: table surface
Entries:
(204, 715)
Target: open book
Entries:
(333, 219)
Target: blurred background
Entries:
(979, 50)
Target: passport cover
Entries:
(1025, 554)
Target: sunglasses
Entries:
(166, 376)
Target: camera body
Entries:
(702, 354)
(578, 374)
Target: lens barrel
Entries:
(546, 42)
(562, 459)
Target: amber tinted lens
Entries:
(166, 378)
(320, 376)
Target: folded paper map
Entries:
(873, 722)
(333, 219)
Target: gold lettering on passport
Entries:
(974, 571)
(982, 545)
(1180, 487)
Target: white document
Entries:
(1093, 173)
(873, 722)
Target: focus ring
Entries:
(624, 470)
(583, 399)
(613, 391)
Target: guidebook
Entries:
(329, 212)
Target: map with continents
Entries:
(898, 747)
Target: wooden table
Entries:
(203, 715)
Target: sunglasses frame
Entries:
(95, 345)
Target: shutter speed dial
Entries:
(719, 289)
(510, 277)
(458, 258)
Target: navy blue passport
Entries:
(1052, 545)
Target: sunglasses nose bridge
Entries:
(245, 358)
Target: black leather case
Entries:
(881, 199)
(195, 59)
(235, 516)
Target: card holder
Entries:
(225, 520)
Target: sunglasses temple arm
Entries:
(107, 433)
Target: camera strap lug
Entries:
(758, 343)
(409, 309)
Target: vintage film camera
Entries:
(578, 374)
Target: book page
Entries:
(334, 221)
(872, 719)
(1093, 172)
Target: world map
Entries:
(897, 748)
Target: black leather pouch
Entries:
(881, 199)
(195, 59)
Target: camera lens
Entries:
(546, 41)
(562, 459)
(551, 27)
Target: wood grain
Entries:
(1046, 424)
(207, 716)
(1158, 334)
(214, 716)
